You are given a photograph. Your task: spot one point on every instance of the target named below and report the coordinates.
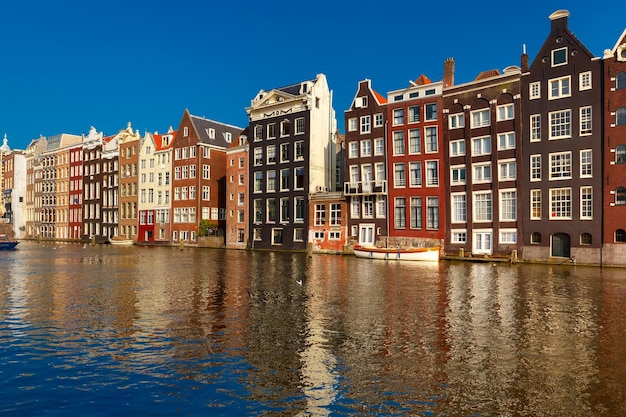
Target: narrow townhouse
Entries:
(365, 154)
(33, 151)
(328, 222)
(292, 154)
(199, 183)
(237, 230)
(75, 206)
(614, 201)
(92, 182)
(415, 151)
(109, 188)
(481, 121)
(562, 150)
(129, 143)
(154, 188)
(13, 186)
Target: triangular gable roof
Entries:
(422, 80)
(620, 40)
(158, 140)
(205, 128)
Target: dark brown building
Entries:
(562, 150)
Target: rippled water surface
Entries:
(105, 330)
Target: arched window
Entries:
(585, 239)
(620, 116)
(620, 80)
(535, 238)
(620, 154)
(620, 235)
(620, 196)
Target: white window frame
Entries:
(379, 120)
(553, 53)
(506, 141)
(534, 90)
(585, 121)
(353, 125)
(559, 168)
(483, 140)
(507, 170)
(365, 124)
(584, 81)
(458, 208)
(456, 121)
(455, 175)
(560, 87)
(481, 173)
(482, 241)
(480, 118)
(586, 163)
(488, 209)
(509, 215)
(535, 204)
(508, 236)
(398, 117)
(553, 204)
(557, 125)
(535, 167)
(505, 112)
(455, 147)
(586, 203)
(458, 236)
(535, 128)
(379, 146)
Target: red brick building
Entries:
(237, 194)
(614, 204)
(327, 222)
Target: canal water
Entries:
(159, 331)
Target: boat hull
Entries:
(398, 254)
(8, 245)
(121, 242)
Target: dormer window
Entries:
(228, 137)
(185, 131)
(559, 57)
(305, 88)
(211, 133)
(361, 102)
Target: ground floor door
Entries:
(367, 235)
(560, 245)
(482, 242)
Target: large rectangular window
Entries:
(508, 205)
(506, 141)
(585, 120)
(585, 164)
(432, 173)
(507, 170)
(456, 121)
(559, 88)
(414, 114)
(535, 204)
(535, 128)
(320, 214)
(415, 174)
(432, 213)
(483, 209)
(400, 212)
(398, 175)
(505, 112)
(430, 139)
(414, 141)
(457, 147)
(561, 203)
(398, 117)
(398, 142)
(480, 118)
(481, 173)
(481, 146)
(416, 212)
(535, 167)
(457, 175)
(366, 124)
(560, 165)
(459, 208)
(560, 124)
(586, 203)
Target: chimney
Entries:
(448, 72)
(524, 59)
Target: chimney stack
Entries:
(524, 59)
(448, 72)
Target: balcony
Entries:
(365, 187)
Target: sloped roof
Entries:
(380, 98)
(158, 140)
(487, 74)
(423, 80)
(204, 127)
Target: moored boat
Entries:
(121, 241)
(430, 254)
(6, 243)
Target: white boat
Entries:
(120, 241)
(430, 254)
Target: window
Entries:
(457, 147)
(584, 81)
(585, 163)
(335, 214)
(481, 242)
(482, 207)
(432, 173)
(508, 205)
(271, 154)
(620, 235)
(560, 165)
(398, 175)
(366, 124)
(559, 57)
(430, 111)
(277, 236)
(353, 150)
(381, 207)
(620, 196)
(271, 130)
(258, 182)
(620, 80)
(481, 146)
(415, 174)
(416, 212)
(535, 238)
(415, 146)
(586, 203)
(480, 118)
(258, 211)
(459, 208)
(368, 206)
(352, 124)
(534, 90)
(535, 167)
(320, 214)
(508, 236)
(507, 170)
(561, 203)
(398, 142)
(378, 120)
(285, 128)
(432, 213)
(535, 128)
(298, 235)
(414, 114)
(366, 148)
(559, 88)
(334, 235)
(271, 181)
(459, 236)
(299, 146)
(585, 120)
(258, 132)
(379, 146)
(284, 153)
(300, 126)
(398, 117)
(505, 112)
(560, 124)
(256, 234)
(299, 178)
(400, 212)
(299, 206)
(620, 116)
(457, 175)
(620, 154)
(456, 121)
(481, 172)
(506, 141)
(430, 139)
(355, 207)
(258, 156)
(284, 179)
(535, 204)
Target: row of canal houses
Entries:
(529, 161)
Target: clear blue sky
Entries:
(68, 65)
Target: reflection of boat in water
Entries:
(6, 243)
(400, 254)
(121, 241)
